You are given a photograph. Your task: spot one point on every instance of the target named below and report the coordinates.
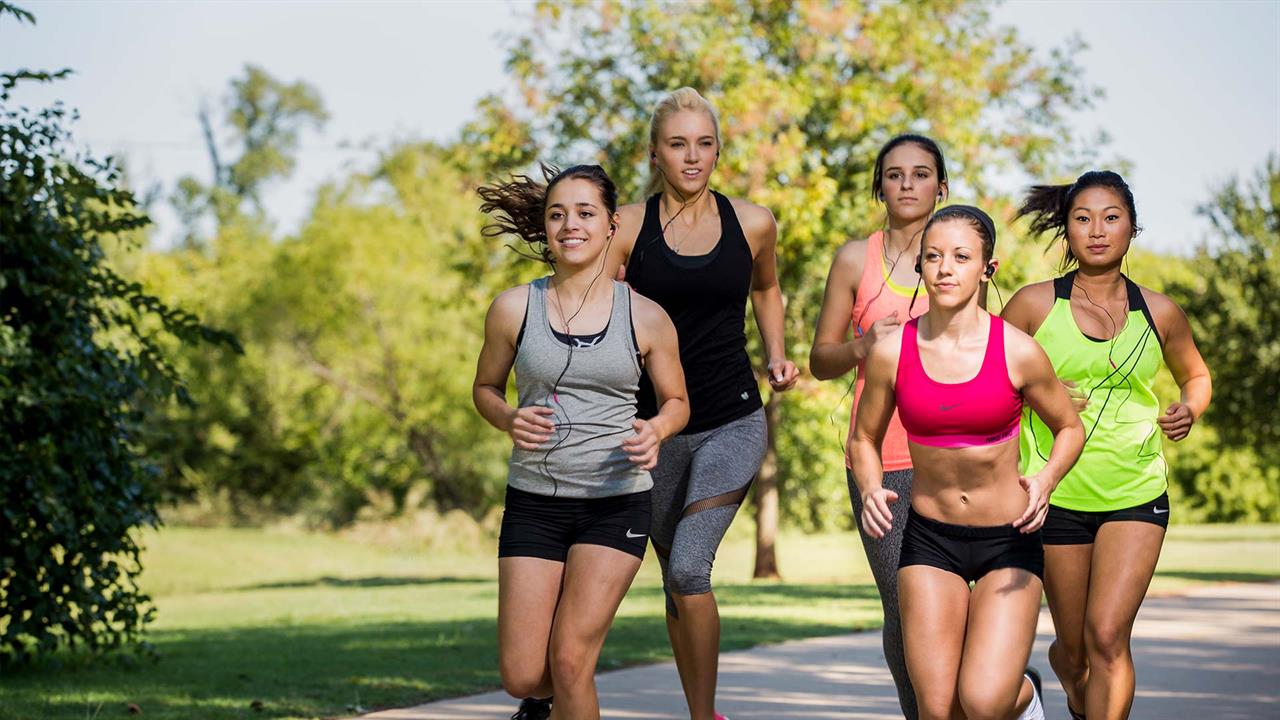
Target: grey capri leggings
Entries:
(700, 481)
(882, 556)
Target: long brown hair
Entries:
(518, 206)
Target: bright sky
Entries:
(1193, 88)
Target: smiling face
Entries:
(909, 182)
(1099, 227)
(952, 265)
(686, 151)
(578, 223)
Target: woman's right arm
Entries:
(833, 354)
(528, 427)
(874, 412)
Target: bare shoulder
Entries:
(851, 256)
(1169, 317)
(756, 220)
(632, 214)
(630, 219)
(510, 303)
(1036, 296)
(887, 348)
(1162, 307)
(1023, 354)
(1028, 307)
(1018, 342)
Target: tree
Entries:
(1230, 299)
(265, 118)
(807, 92)
(79, 350)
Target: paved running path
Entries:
(1211, 654)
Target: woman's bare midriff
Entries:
(975, 486)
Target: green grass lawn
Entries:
(262, 624)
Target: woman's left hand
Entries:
(642, 448)
(1037, 503)
(1176, 421)
(783, 375)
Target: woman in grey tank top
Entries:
(578, 509)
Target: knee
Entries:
(934, 706)
(569, 662)
(1069, 654)
(689, 576)
(521, 682)
(1106, 642)
(982, 702)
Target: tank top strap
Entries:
(535, 315)
(1062, 286)
(1139, 303)
(651, 224)
(869, 283)
(729, 224)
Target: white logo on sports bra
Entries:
(630, 535)
(1158, 511)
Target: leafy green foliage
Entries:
(79, 348)
(1229, 294)
(265, 118)
(361, 332)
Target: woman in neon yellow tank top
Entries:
(1107, 337)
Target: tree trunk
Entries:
(767, 500)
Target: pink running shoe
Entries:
(721, 717)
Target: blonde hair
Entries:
(686, 98)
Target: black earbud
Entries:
(918, 270)
(991, 270)
(939, 194)
(881, 197)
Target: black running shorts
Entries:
(545, 527)
(1080, 527)
(968, 551)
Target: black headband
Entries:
(969, 211)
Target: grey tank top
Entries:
(594, 404)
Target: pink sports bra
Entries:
(983, 411)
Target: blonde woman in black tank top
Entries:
(700, 255)
(577, 505)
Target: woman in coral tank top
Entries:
(869, 290)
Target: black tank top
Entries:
(706, 297)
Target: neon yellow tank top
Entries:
(1123, 463)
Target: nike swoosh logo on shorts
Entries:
(1158, 511)
(630, 535)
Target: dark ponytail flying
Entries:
(519, 206)
(1049, 206)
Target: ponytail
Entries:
(1049, 206)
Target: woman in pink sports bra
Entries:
(958, 377)
(869, 290)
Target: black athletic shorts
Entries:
(542, 526)
(1080, 527)
(968, 551)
